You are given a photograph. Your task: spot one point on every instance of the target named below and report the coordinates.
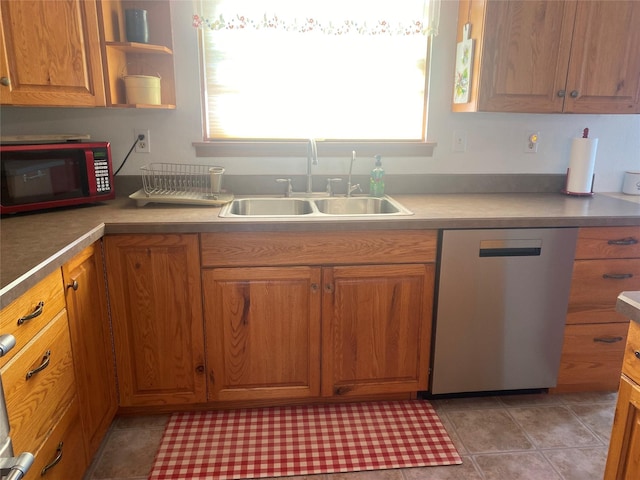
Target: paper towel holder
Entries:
(577, 194)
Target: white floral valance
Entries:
(329, 17)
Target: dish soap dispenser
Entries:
(376, 184)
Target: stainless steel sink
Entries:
(268, 207)
(360, 206)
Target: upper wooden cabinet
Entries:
(122, 57)
(553, 56)
(50, 54)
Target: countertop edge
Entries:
(30, 278)
(628, 304)
(63, 234)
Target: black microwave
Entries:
(49, 175)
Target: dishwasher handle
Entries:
(510, 248)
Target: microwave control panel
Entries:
(101, 169)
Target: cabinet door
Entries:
(604, 71)
(50, 54)
(623, 461)
(376, 329)
(525, 55)
(263, 332)
(156, 306)
(86, 296)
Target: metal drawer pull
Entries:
(43, 365)
(608, 339)
(623, 241)
(637, 354)
(54, 462)
(617, 276)
(36, 313)
(73, 285)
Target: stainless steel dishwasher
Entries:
(501, 305)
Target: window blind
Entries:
(343, 70)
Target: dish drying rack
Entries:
(181, 183)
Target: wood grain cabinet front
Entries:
(263, 332)
(623, 460)
(376, 329)
(292, 315)
(156, 308)
(39, 384)
(61, 456)
(31, 312)
(50, 54)
(86, 297)
(552, 57)
(607, 262)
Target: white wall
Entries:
(495, 141)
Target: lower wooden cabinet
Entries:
(623, 461)
(28, 314)
(156, 309)
(39, 384)
(376, 329)
(263, 332)
(86, 298)
(607, 262)
(62, 457)
(339, 325)
(591, 357)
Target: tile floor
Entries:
(514, 437)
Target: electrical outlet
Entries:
(144, 145)
(459, 141)
(531, 145)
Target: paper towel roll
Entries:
(581, 165)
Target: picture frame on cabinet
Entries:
(464, 63)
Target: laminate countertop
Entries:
(628, 304)
(33, 245)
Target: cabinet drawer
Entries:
(62, 455)
(608, 242)
(592, 357)
(42, 302)
(35, 404)
(595, 287)
(631, 364)
(313, 248)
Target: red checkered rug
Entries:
(302, 440)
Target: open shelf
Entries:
(121, 57)
(145, 48)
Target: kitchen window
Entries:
(353, 73)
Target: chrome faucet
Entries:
(351, 188)
(312, 159)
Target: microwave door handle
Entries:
(91, 171)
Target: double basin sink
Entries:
(313, 207)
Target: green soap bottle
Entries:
(376, 183)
